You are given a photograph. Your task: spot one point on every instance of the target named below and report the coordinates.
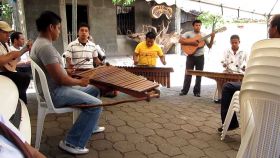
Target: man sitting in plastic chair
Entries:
(65, 90)
(231, 87)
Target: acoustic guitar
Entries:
(11, 66)
(190, 49)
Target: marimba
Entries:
(156, 74)
(119, 79)
(220, 77)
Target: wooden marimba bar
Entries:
(220, 77)
(119, 79)
(156, 74)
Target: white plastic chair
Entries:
(261, 52)
(263, 60)
(45, 104)
(260, 91)
(9, 104)
(233, 107)
(266, 43)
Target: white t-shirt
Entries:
(8, 149)
(24, 57)
(79, 52)
(235, 61)
(192, 34)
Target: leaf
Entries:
(122, 2)
(209, 20)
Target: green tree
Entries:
(210, 20)
(6, 12)
(122, 2)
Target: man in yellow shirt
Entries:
(146, 52)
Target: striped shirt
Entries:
(78, 52)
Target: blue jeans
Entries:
(87, 121)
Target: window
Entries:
(125, 20)
(82, 17)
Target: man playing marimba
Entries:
(146, 52)
(82, 52)
(231, 87)
(65, 90)
(234, 58)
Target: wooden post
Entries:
(64, 29)
(74, 19)
(178, 28)
(19, 17)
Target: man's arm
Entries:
(96, 61)
(188, 41)
(209, 45)
(162, 59)
(61, 78)
(69, 63)
(4, 59)
(135, 58)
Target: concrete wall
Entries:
(142, 14)
(126, 46)
(102, 19)
(33, 9)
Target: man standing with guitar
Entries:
(193, 46)
(6, 57)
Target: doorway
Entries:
(82, 17)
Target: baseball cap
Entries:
(5, 26)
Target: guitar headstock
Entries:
(222, 29)
(26, 47)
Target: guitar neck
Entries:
(215, 31)
(23, 50)
(205, 37)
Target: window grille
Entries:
(125, 20)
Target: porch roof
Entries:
(229, 8)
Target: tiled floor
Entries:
(171, 126)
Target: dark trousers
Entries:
(228, 90)
(21, 80)
(192, 62)
(26, 70)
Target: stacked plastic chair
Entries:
(260, 91)
(9, 99)
(233, 107)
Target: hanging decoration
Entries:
(158, 10)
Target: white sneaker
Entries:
(71, 148)
(98, 130)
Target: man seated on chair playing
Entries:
(234, 59)
(7, 58)
(230, 87)
(80, 49)
(65, 90)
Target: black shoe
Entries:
(196, 94)
(183, 93)
(229, 129)
(217, 101)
